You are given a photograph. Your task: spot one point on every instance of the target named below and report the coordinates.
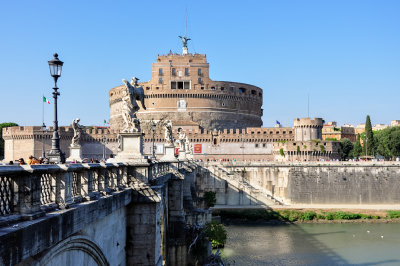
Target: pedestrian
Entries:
(21, 161)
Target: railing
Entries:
(29, 190)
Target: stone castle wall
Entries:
(327, 184)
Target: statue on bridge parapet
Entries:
(77, 132)
(168, 136)
(75, 148)
(181, 140)
(130, 107)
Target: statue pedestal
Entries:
(75, 154)
(182, 155)
(169, 154)
(184, 50)
(189, 156)
(131, 148)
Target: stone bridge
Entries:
(99, 214)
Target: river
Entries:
(313, 244)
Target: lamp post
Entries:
(153, 128)
(43, 151)
(104, 141)
(55, 155)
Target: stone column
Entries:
(28, 196)
(64, 189)
(143, 245)
(176, 223)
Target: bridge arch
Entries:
(78, 248)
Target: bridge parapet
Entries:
(27, 192)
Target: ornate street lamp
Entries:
(153, 128)
(55, 155)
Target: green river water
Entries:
(313, 244)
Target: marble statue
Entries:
(181, 139)
(136, 91)
(188, 145)
(168, 136)
(77, 132)
(129, 109)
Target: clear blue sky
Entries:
(345, 54)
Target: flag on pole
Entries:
(277, 122)
(45, 100)
(105, 121)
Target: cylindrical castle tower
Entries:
(181, 90)
(306, 129)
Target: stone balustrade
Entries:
(27, 192)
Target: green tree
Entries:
(357, 150)
(369, 138)
(216, 232)
(387, 142)
(346, 147)
(3, 125)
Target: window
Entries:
(186, 71)
(256, 145)
(202, 88)
(173, 72)
(200, 81)
(213, 88)
(264, 145)
(160, 72)
(222, 88)
(160, 80)
(242, 90)
(180, 85)
(147, 88)
(232, 89)
(253, 92)
(199, 71)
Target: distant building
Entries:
(395, 123)
(379, 127)
(331, 131)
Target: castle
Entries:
(222, 119)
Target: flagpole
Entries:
(43, 127)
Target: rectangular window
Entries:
(180, 85)
(199, 71)
(160, 80)
(186, 71)
(160, 72)
(200, 81)
(173, 72)
(232, 89)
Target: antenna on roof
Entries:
(186, 24)
(185, 39)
